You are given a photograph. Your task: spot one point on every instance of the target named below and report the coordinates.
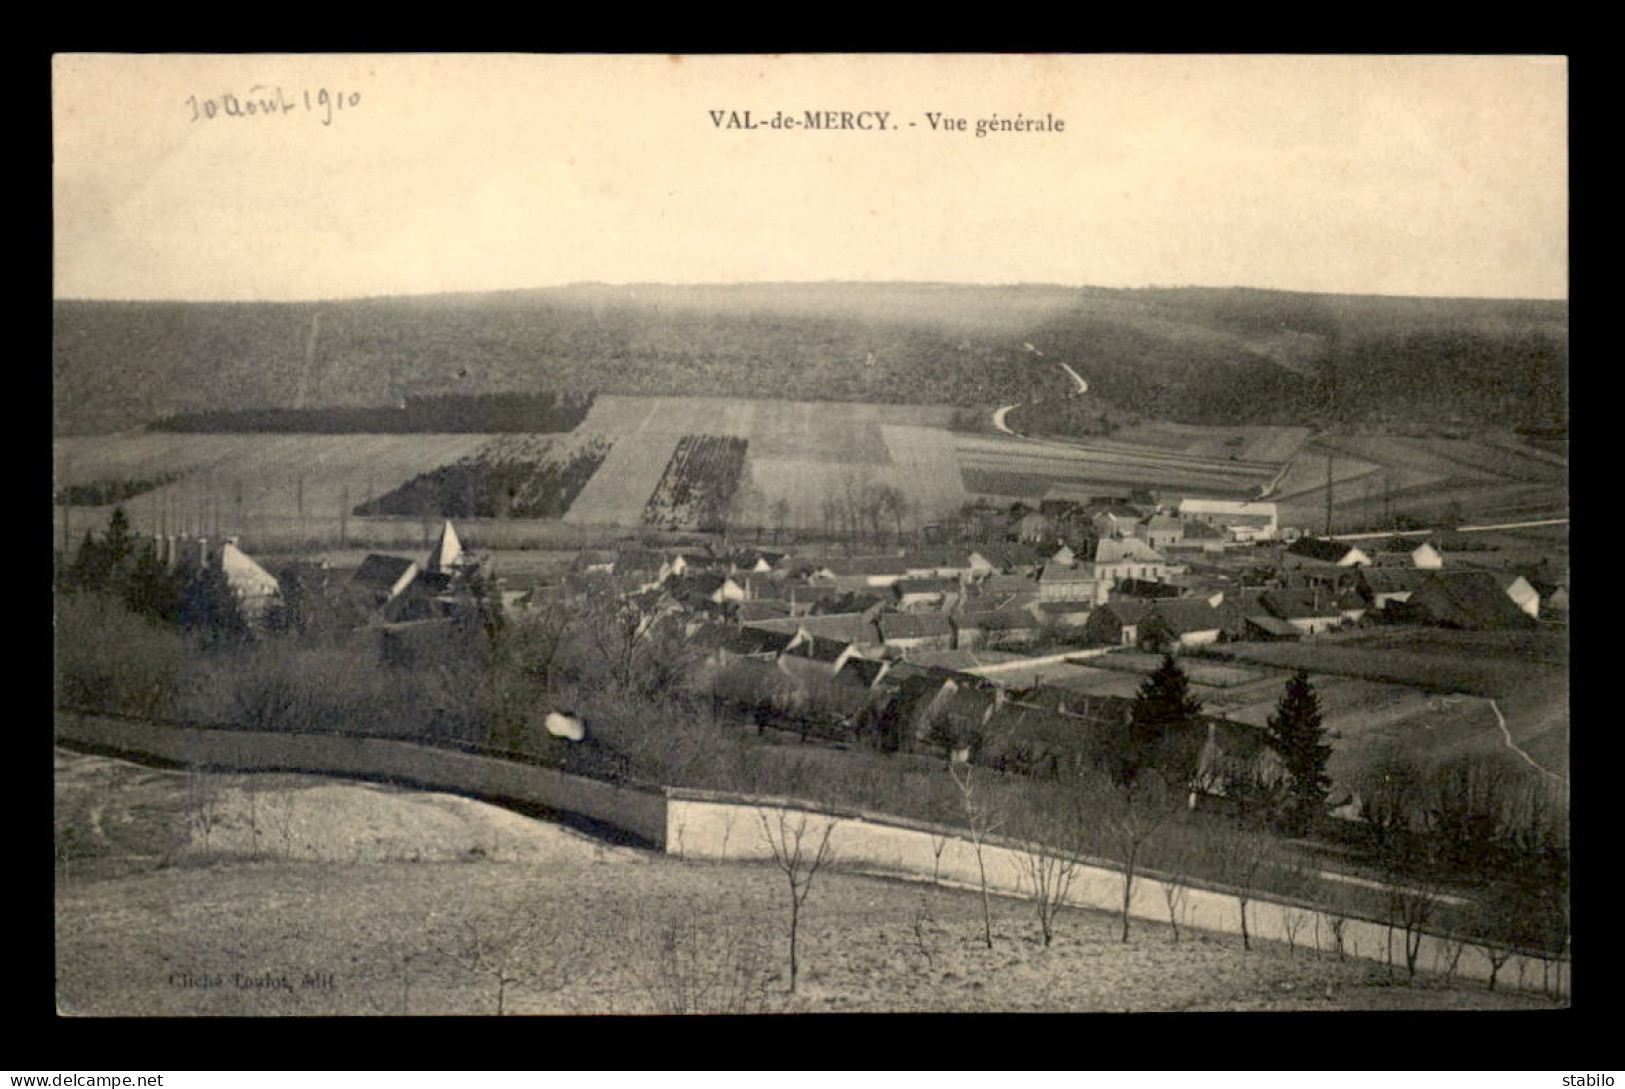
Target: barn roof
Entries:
(1469, 599)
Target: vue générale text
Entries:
(881, 121)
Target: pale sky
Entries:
(1383, 175)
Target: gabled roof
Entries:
(1058, 608)
(1300, 604)
(1001, 619)
(846, 627)
(1005, 584)
(820, 649)
(913, 626)
(1054, 573)
(863, 670)
(1163, 522)
(760, 610)
(1272, 625)
(1125, 611)
(732, 640)
(448, 550)
(1115, 550)
(1389, 580)
(1469, 599)
(1005, 555)
(1315, 548)
(1186, 617)
(1149, 589)
(243, 574)
(637, 559)
(383, 572)
(863, 565)
(922, 558)
(1227, 506)
(926, 586)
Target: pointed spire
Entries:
(448, 550)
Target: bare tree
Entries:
(1176, 888)
(983, 817)
(510, 948)
(203, 804)
(622, 627)
(1244, 857)
(939, 843)
(800, 852)
(1139, 809)
(691, 964)
(779, 511)
(1054, 838)
(1412, 896)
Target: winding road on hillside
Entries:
(1000, 414)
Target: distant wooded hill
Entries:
(1196, 355)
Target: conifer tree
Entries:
(1298, 737)
(1162, 721)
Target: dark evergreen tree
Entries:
(1161, 729)
(150, 589)
(209, 609)
(1298, 737)
(92, 566)
(120, 542)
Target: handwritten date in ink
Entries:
(263, 101)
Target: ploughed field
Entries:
(618, 468)
(182, 893)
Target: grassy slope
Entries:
(375, 886)
(1230, 356)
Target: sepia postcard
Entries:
(693, 534)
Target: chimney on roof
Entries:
(202, 553)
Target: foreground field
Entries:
(187, 894)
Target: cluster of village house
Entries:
(890, 639)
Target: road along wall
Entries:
(723, 827)
(639, 812)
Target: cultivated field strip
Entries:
(252, 484)
(619, 491)
(926, 467)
